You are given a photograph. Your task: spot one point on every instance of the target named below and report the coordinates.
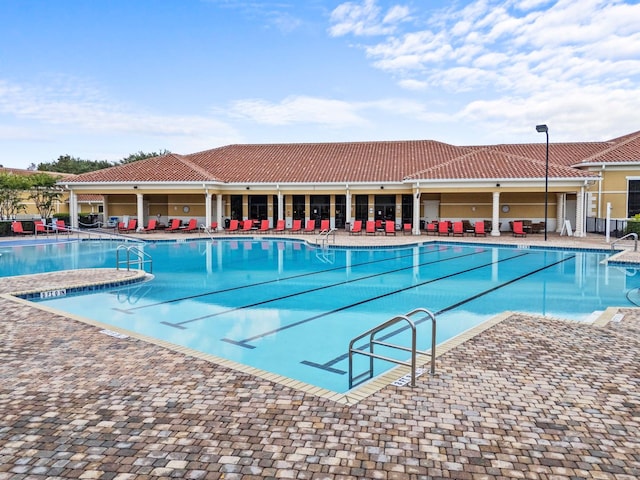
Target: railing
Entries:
(140, 259)
(628, 235)
(373, 342)
(323, 237)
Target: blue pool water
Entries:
(292, 309)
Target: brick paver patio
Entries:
(531, 398)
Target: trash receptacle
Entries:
(422, 225)
(227, 222)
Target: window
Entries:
(633, 205)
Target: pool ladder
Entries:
(373, 342)
(135, 256)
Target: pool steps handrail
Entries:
(140, 258)
(372, 342)
(628, 235)
(323, 237)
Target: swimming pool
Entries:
(290, 308)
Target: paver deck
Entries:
(529, 397)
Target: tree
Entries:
(134, 157)
(44, 192)
(12, 187)
(69, 164)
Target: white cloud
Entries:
(366, 19)
(299, 110)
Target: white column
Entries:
(207, 209)
(140, 208)
(105, 209)
(561, 200)
(495, 219)
(580, 204)
(73, 209)
(347, 215)
(416, 212)
(219, 210)
(280, 205)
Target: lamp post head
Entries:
(542, 128)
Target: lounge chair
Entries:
(311, 227)
(233, 226)
(264, 226)
(478, 229)
(370, 227)
(432, 228)
(18, 229)
(406, 229)
(61, 227)
(458, 229)
(443, 228)
(325, 226)
(389, 228)
(175, 225)
(297, 226)
(214, 227)
(280, 226)
(246, 226)
(192, 226)
(151, 227)
(379, 227)
(517, 230)
(356, 228)
(41, 227)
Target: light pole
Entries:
(545, 129)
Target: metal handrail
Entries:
(383, 326)
(142, 258)
(324, 236)
(631, 235)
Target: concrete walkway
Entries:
(531, 398)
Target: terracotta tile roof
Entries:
(90, 198)
(166, 168)
(324, 162)
(369, 162)
(492, 164)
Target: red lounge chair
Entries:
(479, 229)
(41, 227)
(379, 225)
(175, 225)
(297, 226)
(443, 228)
(247, 226)
(280, 226)
(214, 227)
(151, 227)
(356, 228)
(370, 227)
(264, 226)
(517, 230)
(233, 226)
(389, 228)
(192, 226)
(406, 229)
(432, 228)
(458, 229)
(325, 226)
(311, 226)
(62, 227)
(19, 230)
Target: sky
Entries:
(102, 79)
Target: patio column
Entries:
(561, 208)
(348, 211)
(207, 209)
(580, 213)
(495, 219)
(280, 205)
(219, 210)
(73, 209)
(140, 209)
(416, 211)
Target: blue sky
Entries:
(101, 79)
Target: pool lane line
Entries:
(304, 292)
(244, 342)
(276, 280)
(328, 366)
